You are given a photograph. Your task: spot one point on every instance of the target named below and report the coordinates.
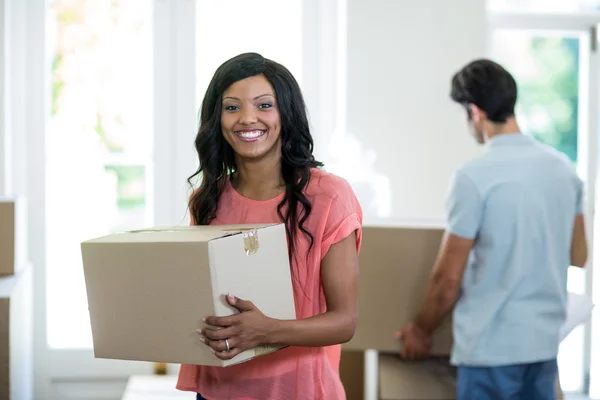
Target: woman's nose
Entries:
(248, 116)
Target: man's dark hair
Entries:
(487, 85)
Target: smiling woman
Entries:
(250, 119)
(256, 163)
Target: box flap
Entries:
(162, 234)
(233, 263)
(433, 379)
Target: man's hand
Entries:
(416, 344)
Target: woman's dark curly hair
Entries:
(216, 157)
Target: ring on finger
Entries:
(227, 344)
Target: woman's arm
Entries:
(339, 273)
(249, 328)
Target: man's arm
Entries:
(464, 209)
(579, 248)
(445, 282)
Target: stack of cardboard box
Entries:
(395, 265)
(16, 359)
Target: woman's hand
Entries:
(238, 332)
(250, 328)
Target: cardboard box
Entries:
(402, 380)
(395, 265)
(16, 336)
(148, 290)
(352, 374)
(12, 235)
(432, 379)
(397, 379)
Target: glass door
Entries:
(98, 145)
(98, 175)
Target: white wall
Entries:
(401, 56)
(15, 112)
(2, 101)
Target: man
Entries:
(515, 224)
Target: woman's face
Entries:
(250, 120)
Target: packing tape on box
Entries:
(251, 244)
(250, 236)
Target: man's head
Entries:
(488, 93)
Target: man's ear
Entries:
(477, 113)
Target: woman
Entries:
(257, 166)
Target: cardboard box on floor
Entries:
(395, 265)
(433, 379)
(402, 380)
(12, 235)
(352, 374)
(16, 335)
(148, 290)
(397, 379)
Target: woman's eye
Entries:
(231, 108)
(265, 105)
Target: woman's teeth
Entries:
(250, 135)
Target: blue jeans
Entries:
(535, 381)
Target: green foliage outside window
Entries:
(549, 100)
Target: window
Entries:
(99, 144)
(222, 34)
(546, 68)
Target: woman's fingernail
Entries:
(204, 320)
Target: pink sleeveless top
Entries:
(294, 373)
